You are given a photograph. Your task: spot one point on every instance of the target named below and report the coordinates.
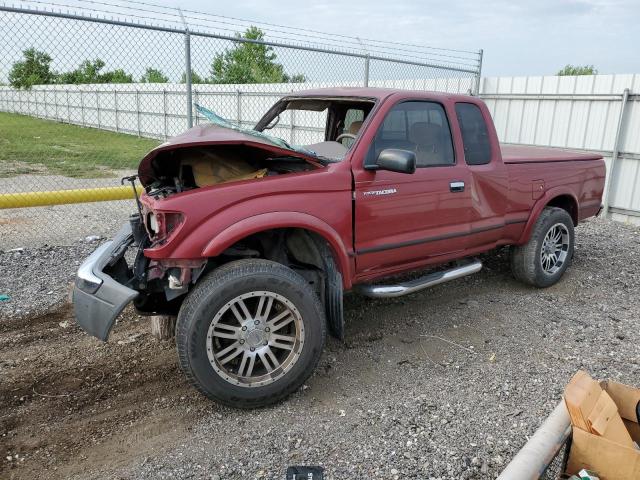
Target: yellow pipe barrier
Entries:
(63, 197)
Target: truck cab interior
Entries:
(342, 117)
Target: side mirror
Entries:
(395, 160)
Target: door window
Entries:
(420, 127)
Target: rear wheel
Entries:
(545, 257)
(250, 333)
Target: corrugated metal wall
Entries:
(581, 112)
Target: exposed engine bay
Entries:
(184, 169)
(223, 152)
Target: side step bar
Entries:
(390, 291)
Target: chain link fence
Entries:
(114, 88)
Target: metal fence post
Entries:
(238, 108)
(82, 108)
(187, 73)
(68, 107)
(138, 111)
(293, 126)
(55, 103)
(615, 153)
(98, 107)
(366, 70)
(479, 75)
(187, 76)
(115, 108)
(195, 100)
(164, 109)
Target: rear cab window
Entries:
(475, 135)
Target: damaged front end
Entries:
(120, 272)
(99, 295)
(117, 273)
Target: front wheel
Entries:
(545, 257)
(250, 333)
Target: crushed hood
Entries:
(209, 135)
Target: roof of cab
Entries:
(374, 92)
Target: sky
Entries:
(518, 38)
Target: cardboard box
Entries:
(611, 457)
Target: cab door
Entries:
(403, 220)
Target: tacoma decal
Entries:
(388, 191)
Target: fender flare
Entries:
(540, 204)
(268, 221)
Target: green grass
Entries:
(33, 146)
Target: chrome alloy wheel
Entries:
(255, 339)
(555, 248)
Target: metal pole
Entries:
(539, 451)
(115, 107)
(55, 103)
(164, 109)
(187, 74)
(138, 111)
(479, 74)
(82, 108)
(366, 70)
(98, 107)
(238, 108)
(195, 100)
(188, 86)
(68, 108)
(615, 153)
(293, 125)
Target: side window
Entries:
(475, 137)
(420, 127)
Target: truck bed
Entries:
(530, 154)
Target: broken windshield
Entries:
(279, 142)
(321, 127)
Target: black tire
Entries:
(216, 292)
(526, 260)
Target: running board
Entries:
(390, 291)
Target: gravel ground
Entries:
(37, 279)
(448, 383)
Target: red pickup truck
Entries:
(251, 241)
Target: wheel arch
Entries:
(267, 222)
(559, 198)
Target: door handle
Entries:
(456, 186)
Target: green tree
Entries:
(87, 72)
(90, 71)
(117, 76)
(35, 69)
(249, 62)
(195, 78)
(151, 75)
(578, 70)
(297, 78)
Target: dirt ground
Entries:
(68, 401)
(446, 383)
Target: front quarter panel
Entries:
(216, 217)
